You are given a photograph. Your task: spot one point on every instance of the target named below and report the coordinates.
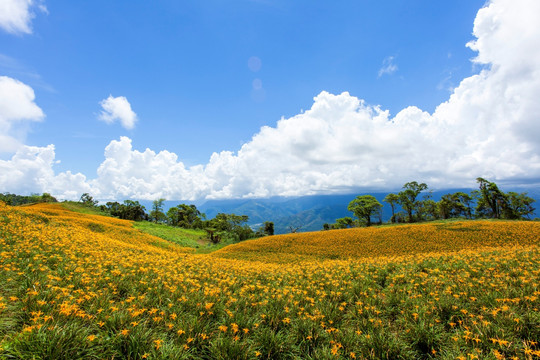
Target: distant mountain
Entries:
(307, 213)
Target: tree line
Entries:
(486, 202)
(15, 200)
(229, 227)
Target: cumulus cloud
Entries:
(16, 15)
(118, 108)
(17, 108)
(388, 66)
(489, 127)
(31, 170)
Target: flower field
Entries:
(84, 286)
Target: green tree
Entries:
(408, 198)
(392, 199)
(519, 206)
(364, 207)
(48, 198)
(231, 225)
(490, 200)
(445, 206)
(88, 200)
(462, 205)
(157, 215)
(133, 210)
(185, 216)
(343, 223)
(129, 210)
(269, 228)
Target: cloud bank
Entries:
(118, 108)
(489, 127)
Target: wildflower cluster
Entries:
(103, 289)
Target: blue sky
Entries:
(204, 79)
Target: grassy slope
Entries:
(86, 286)
(80, 208)
(184, 237)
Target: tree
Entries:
(185, 216)
(230, 225)
(364, 207)
(129, 210)
(14, 199)
(455, 205)
(519, 206)
(392, 199)
(490, 200)
(157, 215)
(408, 196)
(343, 223)
(428, 209)
(133, 210)
(444, 206)
(48, 198)
(269, 228)
(462, 203)
(88, 200)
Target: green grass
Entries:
(80, 208)
(194, 238)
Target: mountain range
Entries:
(305, 213)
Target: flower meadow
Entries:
(77, 286)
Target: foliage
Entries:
(341, 223)
(14, 200)
(364, 207)
(519, 206)
(185, 216)
(129, 210)
(229, 226)
(455, 205)
(408, 198)
(491, 200)
(392, 199)
(488, 202)
(268, 228)
(447, 290)
(157, 215)
(87, 200)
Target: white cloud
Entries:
(16, 15)
(118, 108)
(31, 170)
(17, 108)
(489, 127)
(145, 175)
(388, 66)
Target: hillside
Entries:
(85, 286)
(309, 213)
(388, 241)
